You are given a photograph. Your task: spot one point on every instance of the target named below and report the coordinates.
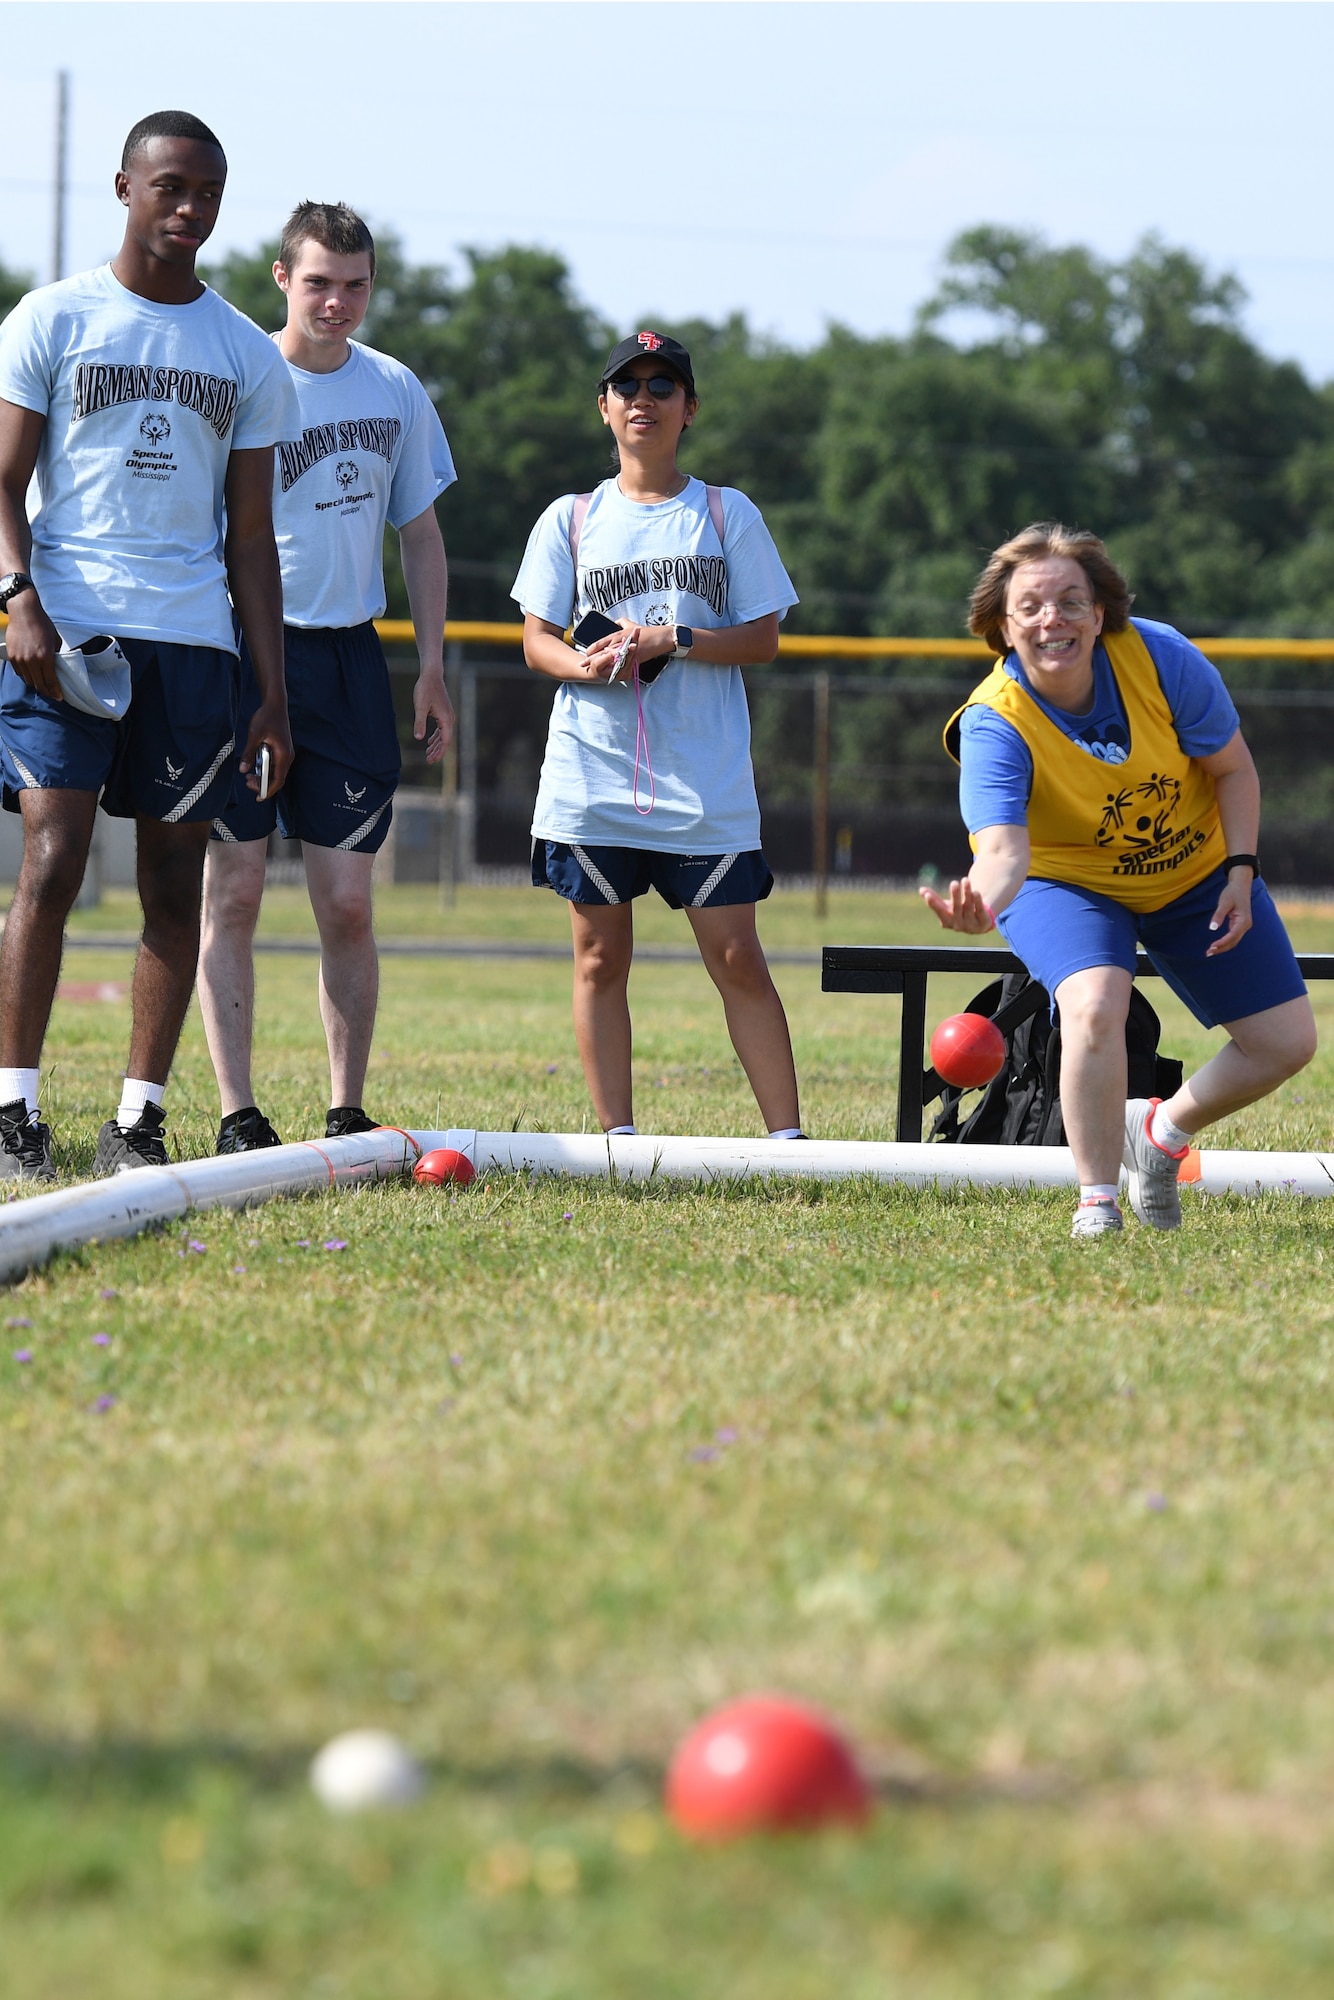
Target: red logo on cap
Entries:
(652, 341)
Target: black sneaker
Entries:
(246, 1131)
(25, 1148)
(345, 1119)
(121, 1147)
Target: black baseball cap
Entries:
(659, 348)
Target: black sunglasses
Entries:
(661, 387)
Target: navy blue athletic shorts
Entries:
(618, 874)
(340, 789)
(1058, 929)
(172, 756)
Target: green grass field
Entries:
(534, 1475)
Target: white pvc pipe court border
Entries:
(32, 1230)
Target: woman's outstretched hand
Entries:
(965, 910)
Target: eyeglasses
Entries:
(661, 387)
(1073, 609)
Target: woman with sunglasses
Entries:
(647, 779)
(1112, 803)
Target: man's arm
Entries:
(255, 582)
(426, 574)
(31, 641)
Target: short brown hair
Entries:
(331, 224)
(986, 607)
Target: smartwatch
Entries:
(11, 585)
(685, 639)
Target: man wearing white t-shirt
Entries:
(368, 450)
(147, 409)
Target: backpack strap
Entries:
(714, 496)
(581, 501)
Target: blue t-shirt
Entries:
(144, 405)
(369, 449)
(660, 565)
(996, 765)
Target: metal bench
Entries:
(904, 969)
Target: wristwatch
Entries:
(11, 585)
(685, 639)
(1251, 861)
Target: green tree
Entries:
(13, 285)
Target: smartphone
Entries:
(592, 626)
(264, 769)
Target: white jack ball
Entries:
(365, 1768)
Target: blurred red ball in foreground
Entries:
(764, 1765)
(967, 1050)
(443, 1165)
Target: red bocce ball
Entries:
(437, 1169)
(764, 1765)
(967, 1050)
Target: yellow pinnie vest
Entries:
(1142, 832)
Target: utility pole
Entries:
(820, 796)
(61, 175)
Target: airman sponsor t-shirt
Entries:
(144, 405)
(369, 449)
(659, 565)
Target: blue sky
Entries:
(797, 162)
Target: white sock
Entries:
(20, 1083)
(1167, 1135)
(788, 1132)
(1098, 1191)
(621, 1132)
(134, 1095)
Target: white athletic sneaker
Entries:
(1096, 1218)
(1152, 1170)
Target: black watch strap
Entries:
(11, 585)
(1251, 861)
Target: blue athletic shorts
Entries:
(171, 757)
(618, 874)
(1057, 929)
(340, 789)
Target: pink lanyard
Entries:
(641, 743)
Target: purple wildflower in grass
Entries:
(568, 1215)
(101, 1340)
(238, 1270)
(198, 1247)
(703, 1454)
(107, 1293)
(335, 1243)
(1156, 1503)
(103, 1404)
(726, 1436)
(23, 1354)
(456, 1361)
(18, 1322)
(552, 1068)
(303, 1243)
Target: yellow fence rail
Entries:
(811, 646)
(808, 646)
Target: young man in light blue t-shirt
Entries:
(367, 451)
(147, 409)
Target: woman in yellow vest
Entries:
(1111, 802)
